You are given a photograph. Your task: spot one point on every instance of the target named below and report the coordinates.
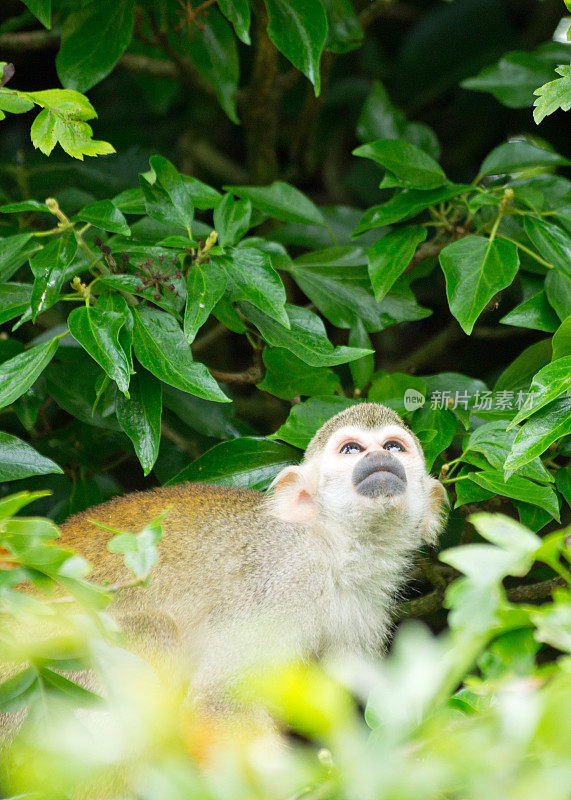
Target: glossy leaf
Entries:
(232, 219)
(169, 198)
(19, 460)
(518, 489)
(140, 417)
(249, 463)
(558, 291)
(19, 373)
(408, 163)
(407, 203)
(550, 241)
(390, 256)
(15, 251)
(252, 272)
(93, 39)
(215, 55)
(49, 267)
(288, 376)
(98, 332)
(476, 269)
(512, 80)
(494, 442)
(160, 346)
(362, 369)
(393, 389)
(105, 215)
(298, 28)
(14, 300)
(42, 10)
(551, 381)
(435, 428)
(523, 368)
(306, 418)
(534, 437)
(535, 313)
(514, 156)
(205, 285)
(562, 340)
(280, 201)
(238, 13)
(306, 338)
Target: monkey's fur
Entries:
(310, 569)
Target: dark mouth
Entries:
(379, 475)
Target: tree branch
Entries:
(259, 108)
(26, 41)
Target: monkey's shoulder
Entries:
(189, 506)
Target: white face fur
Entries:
(366, 483)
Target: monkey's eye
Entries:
(351, 448)
(393, 446)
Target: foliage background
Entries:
(465, 288)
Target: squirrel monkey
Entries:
(309, 569)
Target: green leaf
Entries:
(288, 376)
(247, 462)
(535, 313)
(494, 442)
(562, 340)
(232, 219)
(42, 10)
(73, 692)
(553, 95)
(131, 284)
(19, 460)
(563, 482)
(140, 549)
(92, 41)
(298, 28)
(161, 347)
(410, 164)
(169, 198)
(306, 338)
(519, 373)
(215, 55)
(476, 269)
(392, 389)
(458, 392)
(49, 267)
(105, 215)
(252, 272)
(19, 373)
(238, 13)
(535, 436)
(406, 203)
(551, 381)
(306, 418)
(280, 201)
(72, 383)
(362, 369)
(215, 420)
(25, 205)
(140, 417)
(16, 692)
(435, 428)
(15, 251)
(205, 285)
(515, 156)
(513, 80)
(344, 31)
(14, 300)
(558, 291)
(390, 256)
(519, 489)
(551, 242)
(97, 332)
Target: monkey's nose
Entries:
(379, 473)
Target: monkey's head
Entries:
(364, 472)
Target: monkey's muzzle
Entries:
(379, 474)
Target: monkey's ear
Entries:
(438, 503)
(293, 498)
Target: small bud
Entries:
(98, 241)
(125, 257)
(105, 249)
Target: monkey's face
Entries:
(369, 482)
